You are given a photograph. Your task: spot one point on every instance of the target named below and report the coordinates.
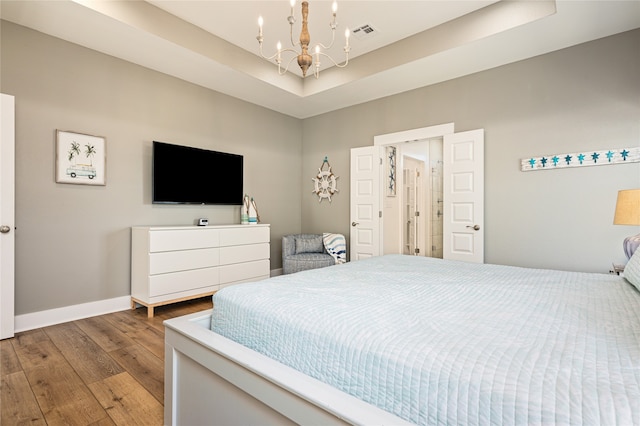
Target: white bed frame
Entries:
(212, 380)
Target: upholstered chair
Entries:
(304, 251)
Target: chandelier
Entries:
(305, 59)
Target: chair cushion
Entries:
(305, 261)
(312, 244)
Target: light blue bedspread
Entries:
(444, 342)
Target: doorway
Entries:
(376, 219)
(421, 200)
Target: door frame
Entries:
(413, 135)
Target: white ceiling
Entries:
(415, 43)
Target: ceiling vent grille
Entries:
(364, 32)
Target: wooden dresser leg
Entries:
(149, 311)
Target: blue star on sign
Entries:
(624, 154)
(610, 155)
(580, 158)
(595, 157)
(568, 159)
(543, 160)
(555, 160)
(532, 162)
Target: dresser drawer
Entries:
(244, 235)
(160, 285)
(244, 271)
(171, 240)
(238, 254)
(173, 261)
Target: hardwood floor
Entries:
(105, 370)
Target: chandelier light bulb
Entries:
(334, 7)
(260, 23)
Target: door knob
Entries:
(5, 229)
(354, 224)
(474, 227)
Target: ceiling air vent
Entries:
(364, 32)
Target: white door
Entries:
(414, 211)
(366, 164)
(7, 190)
(464, 196)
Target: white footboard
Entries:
(214, 381)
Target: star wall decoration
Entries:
(580, 159)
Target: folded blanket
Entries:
(336, 246)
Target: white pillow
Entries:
(632, 270)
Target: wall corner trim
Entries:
(49, 317)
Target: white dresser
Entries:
(174, 263)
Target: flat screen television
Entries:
(187, 175)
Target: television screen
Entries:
(186, 175)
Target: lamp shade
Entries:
(627, 207)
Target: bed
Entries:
(410, 340)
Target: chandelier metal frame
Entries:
(304, 58)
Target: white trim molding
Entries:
(49, 317)
(414, 135)
(55, 316)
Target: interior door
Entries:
(414, 211)
(7, 191)
(463, 182)
(366, 164)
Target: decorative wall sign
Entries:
(391, 171)
(581, 159)
(325, 184)
(80, 158)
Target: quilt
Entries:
(447, 342)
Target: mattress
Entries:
(446, 342)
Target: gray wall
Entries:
(582, 98)
(73, 241)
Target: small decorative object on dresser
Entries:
(244, 210)
(172, 264)
(254, 216)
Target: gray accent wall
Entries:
(73, 241)
(578, 99)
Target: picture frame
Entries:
(80, 158)
(391, 154)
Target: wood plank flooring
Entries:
(105, 370)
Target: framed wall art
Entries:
(80, 158)
(391, 171)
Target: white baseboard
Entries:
(70, 313)
(75, 312)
